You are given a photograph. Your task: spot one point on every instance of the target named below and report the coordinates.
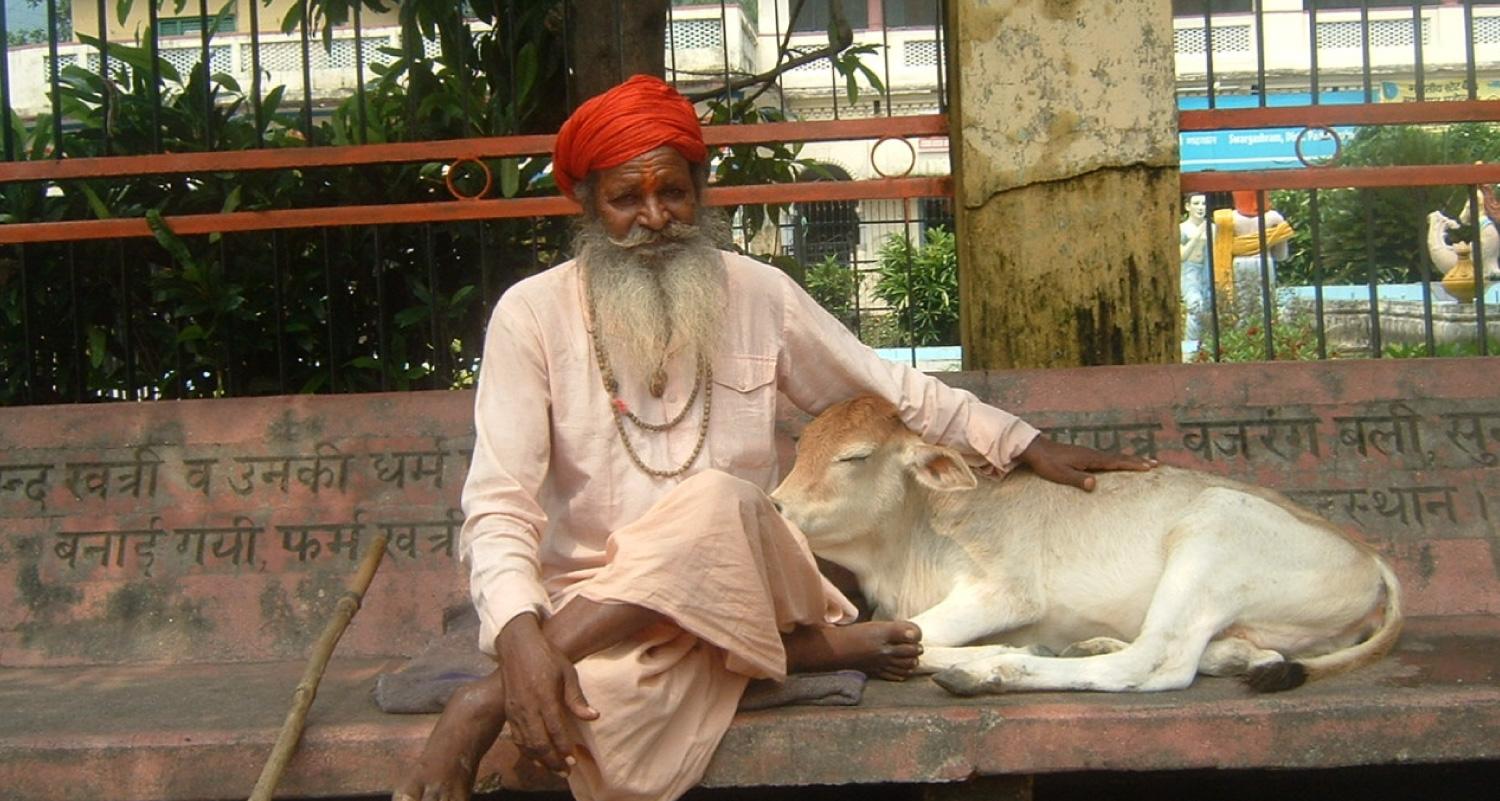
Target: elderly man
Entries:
(630, 574)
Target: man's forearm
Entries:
(580, 628)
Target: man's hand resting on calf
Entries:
(1072, 464)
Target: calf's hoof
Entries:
(959, 681)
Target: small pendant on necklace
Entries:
(658, 383)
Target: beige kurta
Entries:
(551, 494)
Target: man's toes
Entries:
(908, 650)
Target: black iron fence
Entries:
(1369, 127)
(211, 293)
(208, 292)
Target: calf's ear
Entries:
(939, 468)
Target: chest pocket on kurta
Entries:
(742, 425)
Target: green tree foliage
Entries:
(920, 284)
(1384, 230)
(343, 309)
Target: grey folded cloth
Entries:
(835, 688)
(425, 682)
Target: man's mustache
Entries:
(640, 236)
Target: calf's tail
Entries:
(1290, 674)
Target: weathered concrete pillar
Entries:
(1064, 134)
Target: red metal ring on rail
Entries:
(1338, 146)
(489, 178)
(893, 138)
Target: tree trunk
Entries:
(605, 48)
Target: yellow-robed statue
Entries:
(1237, 243)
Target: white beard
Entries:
(652, 289)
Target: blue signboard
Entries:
(1262, 148)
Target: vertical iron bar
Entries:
(1416, 42)
(307, 121)
(255, 74)
(885, 52)
(567, 26)
(8, 135)
(105, 96)
(228, 384)
(1213, 287)
(328, 313)
(1260, 62)
(833, 86)
(1425, 259)
(942, 59)
(514, 124)
(1208, 70)
(911, 252)
(1469, 64)
(127, 326)
(383, 333)
(724, 40)
(461, 38)
(433, 311)
(153, 20)
(30, 370)
(1477, 255)
(178, 381)
(486, 278)
(672, 43)
(1364, 48)
(278, 301)
(203, 60)
(255, 98)
(619, 42)
(1371, 276)
(1312, 66)
(1317, 265)
(56, 79)
(360, 102)
(1266, 296)
(79, 376)
(780, 86)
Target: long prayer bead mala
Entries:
(620, 411)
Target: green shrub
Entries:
(921, 287)
(833, 285)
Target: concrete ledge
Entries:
(170, 733)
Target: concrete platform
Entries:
(164, 733)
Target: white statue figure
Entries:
(1445, 255)
(1193, 237)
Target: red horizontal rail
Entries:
(1341, 177)
(451, 211)
(448, 150)
(1425, 113)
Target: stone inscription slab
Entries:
(225, 529)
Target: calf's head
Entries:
(860, 472)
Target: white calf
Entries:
(1148, 580)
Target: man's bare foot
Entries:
(883, 649)
(467, 728)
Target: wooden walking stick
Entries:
(307, 688)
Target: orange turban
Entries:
(637, 116)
